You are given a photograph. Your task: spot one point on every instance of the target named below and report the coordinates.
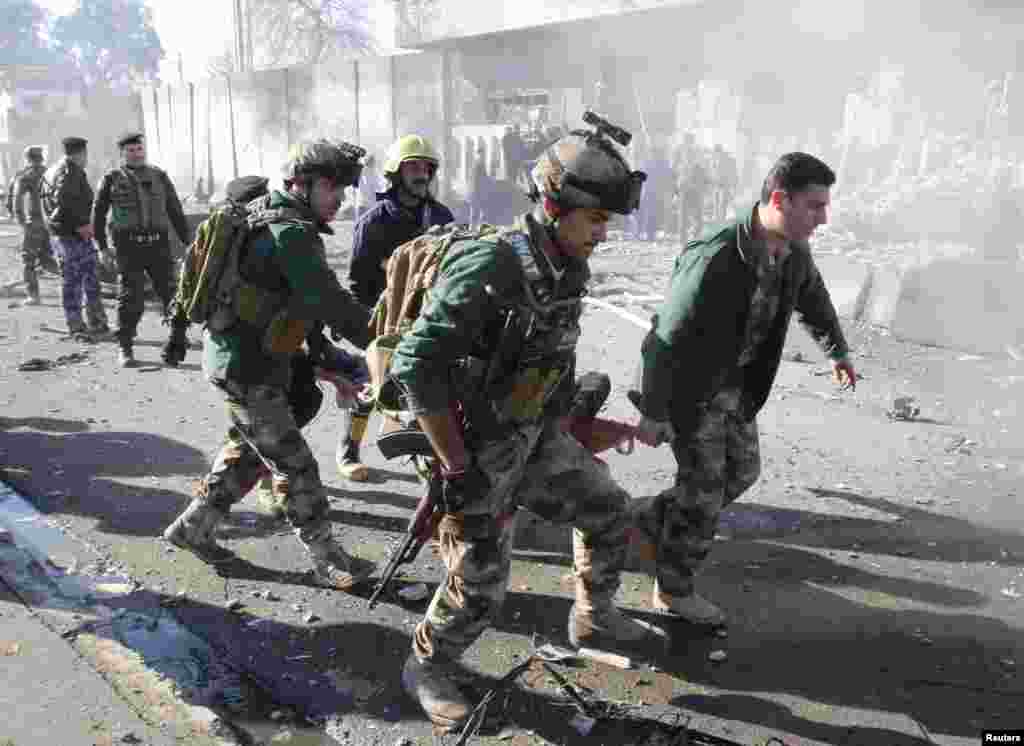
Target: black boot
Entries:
(177, 346)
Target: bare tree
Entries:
(289, 32)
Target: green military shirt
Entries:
(478, 281)
(701, 330)
(288, 259)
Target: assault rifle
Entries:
(418, 533)
(595, 433)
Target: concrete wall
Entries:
(959, 302)
(224, 127)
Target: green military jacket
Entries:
(464, 316)
(698, 334)
(287, 259)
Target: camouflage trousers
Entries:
(35, 253)
(78, 258)
(265, 436)
(718, 462)
(551, 474)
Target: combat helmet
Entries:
(409, 148)
(337, 161)
(584, 169)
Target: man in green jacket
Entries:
(711, 358)
(249, 347)
(488, 370)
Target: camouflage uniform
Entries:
(710, 377)
(510, 427)
(250, 362)
(35, 245)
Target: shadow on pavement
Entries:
(66, 468)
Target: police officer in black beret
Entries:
(143, 206)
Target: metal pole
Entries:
(192, 130)
(355, 86)
(231, 117)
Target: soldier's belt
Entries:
(144, 237)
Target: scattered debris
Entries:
(130, 737)
(41, 363)
(583, 724)
(311, 618)
(960, 444)
(924, 500)
(904, 408)
(718, 656)
(1010, 592)
(414, 592)
(554, 653)
(603, 656)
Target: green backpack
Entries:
(209, 280)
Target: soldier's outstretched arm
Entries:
(317, 295)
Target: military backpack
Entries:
(411, 271)
(209, 282)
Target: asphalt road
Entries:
(873, 575)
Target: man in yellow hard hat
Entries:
(406, 210)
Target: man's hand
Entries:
(85, 232)
(844, 374)
(654, 432)
(460, 486)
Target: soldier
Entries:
(143, 205)
(705, 377)
(71, 227)
(515, 298)
(404, 211)
(725, 179)
(691, 188)
(248, 357)
(35, 245)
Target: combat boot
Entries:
(692, 608)
(76, 327)
(267, 500)
(434, 686)
(194, 530)
(126, 356)
(595, 621)
(600, 624)
(333, 567)
(347, 454)
(176, 347)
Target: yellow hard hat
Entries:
(408, 148)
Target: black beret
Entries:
(73, 144)
(132, 137)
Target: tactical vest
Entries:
(537, 346)
(138, 199)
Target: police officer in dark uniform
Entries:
(143, 206)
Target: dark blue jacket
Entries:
(381, 230)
